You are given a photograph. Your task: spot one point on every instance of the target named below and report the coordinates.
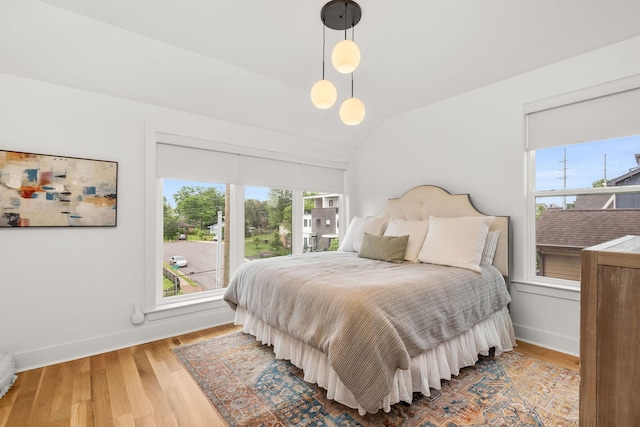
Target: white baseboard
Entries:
(563, 344)
(150, 331)
(206, 319)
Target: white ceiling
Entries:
(265, 55)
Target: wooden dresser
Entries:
(610, 334)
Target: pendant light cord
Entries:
(324, 30)
(352, 39)
(352, 84)
(353, 29)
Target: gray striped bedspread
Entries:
(369, 317)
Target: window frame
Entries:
(157, 307)
(531, 244)
(631, 83)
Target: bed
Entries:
(413, 295)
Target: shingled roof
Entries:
(584, 228)
(592, 201)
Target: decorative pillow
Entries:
(457, 242)
(353, 238)
(384, 248)
(490, 246)
(417, 231)
(7, 372)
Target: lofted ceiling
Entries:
(254, 62)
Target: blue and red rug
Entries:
(249, 387)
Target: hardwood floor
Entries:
(144, 385)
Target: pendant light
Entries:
(323, 93)
(352, 110)
(345, 57)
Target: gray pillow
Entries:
(7, 372)
(384, 248)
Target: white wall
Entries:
(64, 292)
(474, 143)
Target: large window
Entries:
(220, 206)
(586, 194)
(193, 237)
(584, 176)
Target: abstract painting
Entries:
(38, 190)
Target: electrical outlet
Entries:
(138, 316)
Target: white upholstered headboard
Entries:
(422, 201)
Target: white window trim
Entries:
(560, 286)
(531, 282)
(569, 289)
(155, 307)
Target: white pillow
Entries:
(354, 227)
(490, 246)
(353, 238)
(417, 231)
(457, 242)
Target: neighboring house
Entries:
(630, 178)
(213, 230)
(321, 225)
(596, 218)
(186, 228)
(595, 201)
(562, 233)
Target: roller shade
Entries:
(196, 164)
(597, 118)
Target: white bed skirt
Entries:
(426, 371)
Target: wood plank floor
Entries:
(144, 385)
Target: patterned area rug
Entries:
(249, 387)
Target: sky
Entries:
(586, 163)
(172, 186)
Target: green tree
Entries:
(308, 203)
(287, 217)
(278, 201)
(276, 243)
(255, 213)
(199, 205)
(599, 183)
(170, 221)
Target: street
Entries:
(201, 258)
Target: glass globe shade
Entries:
(324, 94)
(352, 111)
(345, 56)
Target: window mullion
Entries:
(236, 229)
(297, 212)
(593, 190)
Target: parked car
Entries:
(182, 236)
(178, 261)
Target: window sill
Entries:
(554, 290)
(164, 311)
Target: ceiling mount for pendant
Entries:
(341, 14)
